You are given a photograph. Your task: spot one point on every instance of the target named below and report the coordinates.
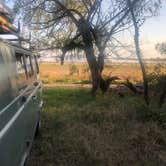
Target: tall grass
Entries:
(81, 130)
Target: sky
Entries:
(152, 32)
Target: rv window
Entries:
(29, 65)
(5, 91)
(21, 70)
(37, 66)
(34, 64)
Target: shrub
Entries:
(146, 113)
(157, 84)
(73, 69)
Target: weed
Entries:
(73, 69)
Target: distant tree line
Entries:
(161, 48)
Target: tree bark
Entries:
(101, 60)
(138, 53)
(93, 65)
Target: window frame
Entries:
(37, 64)
(31, 73)
(21, 54)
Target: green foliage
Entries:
(66, 81)
(85, 82)
(157, 82)
(153, 113)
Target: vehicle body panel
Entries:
(20, 100)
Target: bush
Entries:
(157, 84)
(73, 69)
(146, 113)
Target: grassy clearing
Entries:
(80, 130)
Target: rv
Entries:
(20, 103)
(20, 94)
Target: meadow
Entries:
(79, 129)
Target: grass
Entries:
(79, 72)
(81, 130)
(65, 81)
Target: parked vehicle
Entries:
(20, 103)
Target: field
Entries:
(81, 130)
(106, 130)
(54, 73)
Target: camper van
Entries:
(20, 103)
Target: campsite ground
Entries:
(106, 130)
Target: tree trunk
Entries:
(95, 73)
(93, 65)
(145, 82)
(138, 53)
(101, 60)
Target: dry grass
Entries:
(54, 72)
(80, 130)
(106, 130)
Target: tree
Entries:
(82, 24)
(138, 51)
(161, 48)
(135, 15)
